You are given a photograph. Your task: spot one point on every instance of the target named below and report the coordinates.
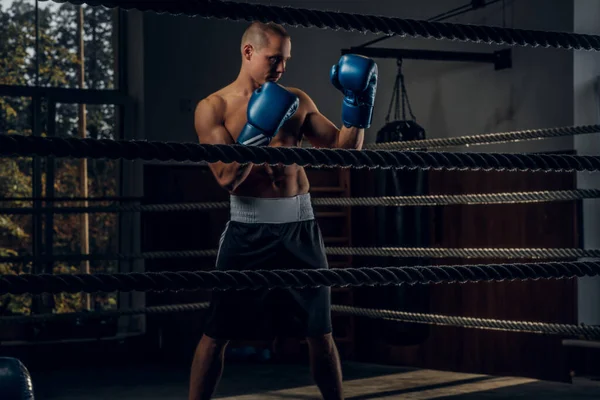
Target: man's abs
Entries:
(267, 181)
(274, 181)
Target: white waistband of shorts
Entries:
(271, 210)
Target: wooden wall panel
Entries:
(512, 225)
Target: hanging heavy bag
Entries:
(400, 131)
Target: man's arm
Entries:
(321, 132)
(210, 130)
(356, 77)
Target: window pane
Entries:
(60, 46)
(102, 228)
(17, 42)
(16, 231)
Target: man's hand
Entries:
(269, 107)
(356, 77)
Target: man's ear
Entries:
(248, 51)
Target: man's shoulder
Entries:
(214, 104)
(305, 100)
(298, 92)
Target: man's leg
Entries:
(325, 366)
(207, 368)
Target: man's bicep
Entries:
(316, 128)
(209, 124)
(319, 130)
(210, 130)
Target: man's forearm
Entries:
(240, 174)
(230, 176)
(350, 138)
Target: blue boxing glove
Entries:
(356, 77)
(268, 108)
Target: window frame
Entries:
(125, 106)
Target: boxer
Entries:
(272, 225)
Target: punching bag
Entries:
(402, 226)
(15, 381)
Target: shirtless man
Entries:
(272, 225)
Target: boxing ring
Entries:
(424, 155)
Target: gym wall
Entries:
(186, 59)
(176, 61)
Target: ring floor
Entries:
(244, 381)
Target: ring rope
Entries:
(307, 278)
(487, 138)
(33, 318)
(119, 208)
(470, 322)
(387, 201)
(358, 22)
(72, 199)
(76, 257)
(163, 151)
(476, 198)
(436, 319)
(540, 253)
(404, 252)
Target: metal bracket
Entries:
(502, 59)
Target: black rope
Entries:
(78, 257)
(357, 22)
(455, 12)
(589, 332)
(380, 201)
(261, 279)
(433, 252)
(99, 314)
(72, 199)
(487, 138)
(118, 208)
(112, 149)
(400, 252)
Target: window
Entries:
(47, 90)
(16, 231)
(40, 44)
(101, 178)
(17, 37)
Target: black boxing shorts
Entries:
(267, 234)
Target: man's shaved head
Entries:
(257, 34)
(266, 49)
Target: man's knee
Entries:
(213, 344)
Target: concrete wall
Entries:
(188, 58)
(586, 108)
